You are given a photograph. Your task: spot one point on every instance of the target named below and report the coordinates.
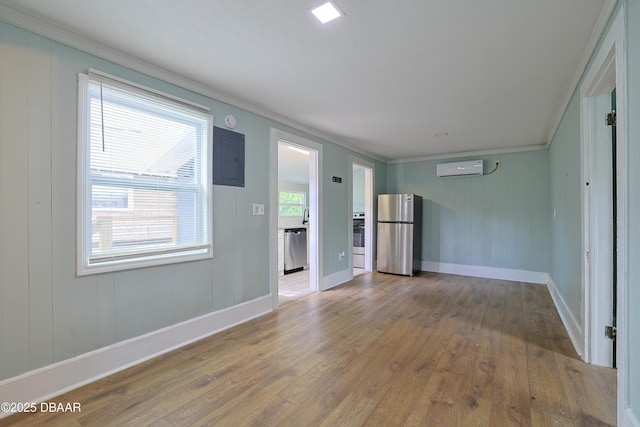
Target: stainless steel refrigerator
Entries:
(399, 233)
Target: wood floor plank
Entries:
(579, 380)
(381, 350)
(230, 413)
(511, 401)
(487, 355)
(548, 405)
(404, 393)
(268, 413)
(443, 397)
(443, 400)
(352, 411)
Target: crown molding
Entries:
(50, 30)
(594, 38)
(478, 153)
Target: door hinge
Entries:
(611, 119)
(610, 332)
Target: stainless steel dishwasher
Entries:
(295, 249)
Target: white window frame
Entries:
(85, 265)
(302, 205)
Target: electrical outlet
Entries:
(340, 255)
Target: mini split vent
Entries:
(471, 167)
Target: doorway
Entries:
(361, 197)
(604, 184)
(295, 200)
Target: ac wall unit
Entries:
(471, 167)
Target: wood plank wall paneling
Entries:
(47, 313)
(500, 220)
(75, 299)
(15, 227)
(39, 194)
(183, 306)
(434, 349)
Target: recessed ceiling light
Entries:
(326, 12)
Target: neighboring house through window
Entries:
(144, 173)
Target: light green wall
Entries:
(499, 220)
(47, 314)
(633, 292)
(565, 190)
(565, 197)
(337, 218)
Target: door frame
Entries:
(369, 178)
(314, 233)
(607, 71)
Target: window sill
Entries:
(85, 269)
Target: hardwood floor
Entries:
(381, 350)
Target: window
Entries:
(144, 192)
(292, 203)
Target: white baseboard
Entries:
(630, 419)
(47, 382)
(487, 272)
(337, 278)
(570, 323)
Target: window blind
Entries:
(146, 165)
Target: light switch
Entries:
(258, 209)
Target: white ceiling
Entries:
(384, 79)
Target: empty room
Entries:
(319, 213)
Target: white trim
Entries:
(315, 209)
(85, 263)
(487, 272)
(618, 29)
(370, 214)
(273, 221)
(471, 153)
(370, 191)
(54, 32)
(597, 221)
(630, 419)
(52, 380)
(101, 76)
(596, 33)
(623, 214)
(82, 159)
(614, 41)
(568, 319)
(337, 279)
